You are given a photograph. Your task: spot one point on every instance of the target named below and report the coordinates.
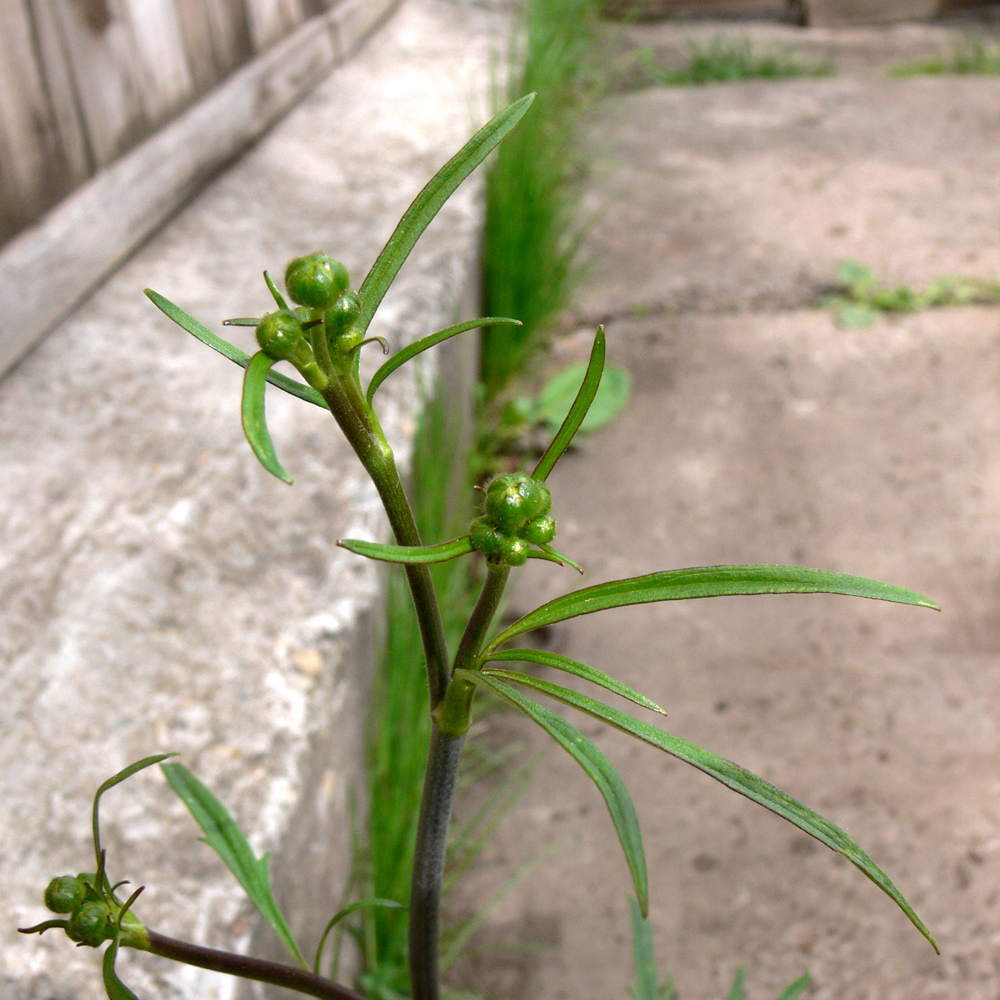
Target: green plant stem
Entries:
(246, 967)
(357, 420)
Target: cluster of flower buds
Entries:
(516, 516)
(320, 286)
(90, 921)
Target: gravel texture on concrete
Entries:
(160, 591)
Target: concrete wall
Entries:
(158, 589)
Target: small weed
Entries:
(723, 60)
(970, 56)
(862, 300)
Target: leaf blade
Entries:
(419, 346)
(581, 404)
(429, 201)
(739, 779)
(254, 420)
(705, 581)
(226, 838)
(113, 986)
(575, 667)
(598, 768)
(409, 555)
(230, 351)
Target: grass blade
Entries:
(599, 769)
(254, 422)
(735, 777)
(409, 554)
(736, 990)
(643, 955)
(705, 581)
(588, 673)
(230, 351)
(418, 347)
(228, 840)
(794, 990)
(585, 396)
(428, 203)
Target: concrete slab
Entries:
(159, 590)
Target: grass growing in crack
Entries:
(721, 60)
(970, 56)
(531, 236)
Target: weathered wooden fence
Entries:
(83, 81)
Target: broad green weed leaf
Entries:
(227, 839)
(254, 423)
(412, 350)
(409, 554)
(230, 351)
(794, 990)
(114, 987)
(598, 768)
(854, 275)
(855, 315)
(557, 397)
(705, 581)
(733, 776)
(428, 203)
(116, 779)
(588, 673)
(577, 412)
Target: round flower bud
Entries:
(514, 551)
(89, 924)
(342, 315)
(316, 281)
(280, 334)
(64, 894)
(485, 538)
(514, 499)
(540, 531)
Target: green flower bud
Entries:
(89, 924)
(340, 320)
(514, 551)
(316, 281)
(65, 893)
(540, 531)
(485, 538)
(280, 334)
(514, 499)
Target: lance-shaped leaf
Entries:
(230, 351)
(428, 203)
(228, 840)
(254, 422)
(706, 581)
(588, 673)
(794, 990)
(117, 779)
(409, 555)
(113, 986)
(419, 346)
(732, 775)
(644, 957)
(585, 396)
(599, 769)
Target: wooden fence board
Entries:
(97, 227)
(272, 19)
(161, 73)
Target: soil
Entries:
(760, 431)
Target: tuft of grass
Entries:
(972, 55)
(723, 60)
(531, 236)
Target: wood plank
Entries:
(271, 20)
(159, 64)
(85, 237)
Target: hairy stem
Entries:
(259, 969)
(428, 863)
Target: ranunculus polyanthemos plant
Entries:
(322, 334)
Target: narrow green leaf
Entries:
(794, 990)
(588, 673)
(550, 554)
(409, 554)
(736, 990)
(116, 779)
(419, 346)
(361, 904)
(737, 778)
(643, 955)
(228, 840)
(428, 203)
(254, 422)
(556, 398)
(230, 351)
(706, 581)
(585, 396)
(599, 769)
(114, 987)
